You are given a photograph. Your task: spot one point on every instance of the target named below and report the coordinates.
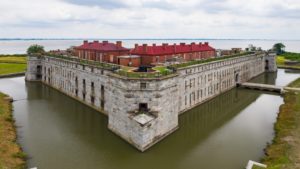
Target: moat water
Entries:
(59, 132)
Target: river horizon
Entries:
(11, 46)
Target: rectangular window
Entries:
(76, 82)
(83, 95)
(93, 100)
(92, 87)
(143, 85)
(102, 93)
(102, 104)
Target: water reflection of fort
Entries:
(195, 123)
(74, 120)
(211, 115)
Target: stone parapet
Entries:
(145, 110)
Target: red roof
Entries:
(105, 46)
(166, 49)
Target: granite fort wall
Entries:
(124, 99)
(200, 83)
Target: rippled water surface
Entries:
(59, 132)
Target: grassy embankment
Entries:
(284, 152)
(288, 56)
(11, 155)
(10, 64)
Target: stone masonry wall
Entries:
(202, 82)
(121, 98)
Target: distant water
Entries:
(20, 46)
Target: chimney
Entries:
(136, 46)
(193, 43)
(105, 42)
(206, 43)
(85, 42)
(200, 44)
(164, 45)
(145, 47)
(174, 46)
(96, 41)
(182, 44)
(119, 44)
(154, 44)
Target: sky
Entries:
(224, 19)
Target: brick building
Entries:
(144, 54)
(103, 52)
(152, 55)
(130, 60)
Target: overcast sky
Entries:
(250, 19)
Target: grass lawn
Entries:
(291, 56)
(9, 68)
(11, 155)
(256, 167)
(126, 68)
(295, 83)
(161, 69)
(280, 60)
(284, 152)
(13, 59)
(288, 56)
(12, 64)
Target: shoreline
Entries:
(12, 75)
(284, 151)
(288, 67)
(11, 154)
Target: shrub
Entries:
(35, 49)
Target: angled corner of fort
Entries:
(143, 90)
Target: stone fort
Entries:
(144, 109)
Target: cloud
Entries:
(110, 4)
(150, 18)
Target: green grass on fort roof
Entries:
(139, 74)
(195, 62)
(256, 167)
(161, 69)
(126, 68)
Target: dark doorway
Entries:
(237, 78)
(267, 65)
(143, 107)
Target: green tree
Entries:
(35, 49)
(279, 48)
